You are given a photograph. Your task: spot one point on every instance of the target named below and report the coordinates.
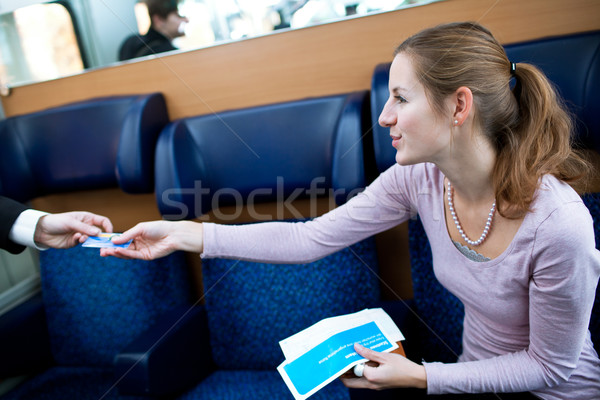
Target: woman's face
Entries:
(418, 134)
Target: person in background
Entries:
(21, 226)
(165, 25)
(489, 168)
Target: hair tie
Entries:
(513, 68)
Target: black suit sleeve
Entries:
(9, 212)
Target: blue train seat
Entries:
(259, 154)
(385, 154)
(98, 143)
(281, 149)
(576, 74)
(90, 308)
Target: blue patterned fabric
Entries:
(70, 383)
(441, 312)
(95, 306)
(252, 306)
(259, 385)
(592, 201)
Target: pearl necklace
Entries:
(488, 223)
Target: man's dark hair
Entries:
(161, 8)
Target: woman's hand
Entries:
(386, 370)
(157, 239)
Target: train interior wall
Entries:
(309, 62)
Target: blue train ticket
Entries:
(104, 240)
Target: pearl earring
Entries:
(455, 122)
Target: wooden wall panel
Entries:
(315, 61)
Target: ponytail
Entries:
(540, 143)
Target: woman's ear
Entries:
(462, 103)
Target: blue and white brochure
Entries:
(321, 353)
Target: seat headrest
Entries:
(264, 153)
(97, 143)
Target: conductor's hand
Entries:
(65, 230)
(157, 239)
(386, 370)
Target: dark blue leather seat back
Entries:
(572, 63)
(261, 154)
(385, 154)
(98, 143)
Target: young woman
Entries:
(487, 169)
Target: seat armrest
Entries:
(173, 355)
(24, 339)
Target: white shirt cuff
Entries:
(23, 230)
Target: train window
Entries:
(199, 31)
(38, 43)
(217, 21)
(46, 39)
(142, 17)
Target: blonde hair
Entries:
(528, 126)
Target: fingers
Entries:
(369, 354)
(69, 242)
(365, 371)
(78, 238)
(118, 252)
(128, 234)
(352, 381)
(102, 222)
(84, 222)
(83, 228)
(367, 375)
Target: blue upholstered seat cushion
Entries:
(441, 312)
(95, 306)
(252, 306)
(259, 385)
(61, 383)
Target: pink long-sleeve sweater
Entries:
(526, 311)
